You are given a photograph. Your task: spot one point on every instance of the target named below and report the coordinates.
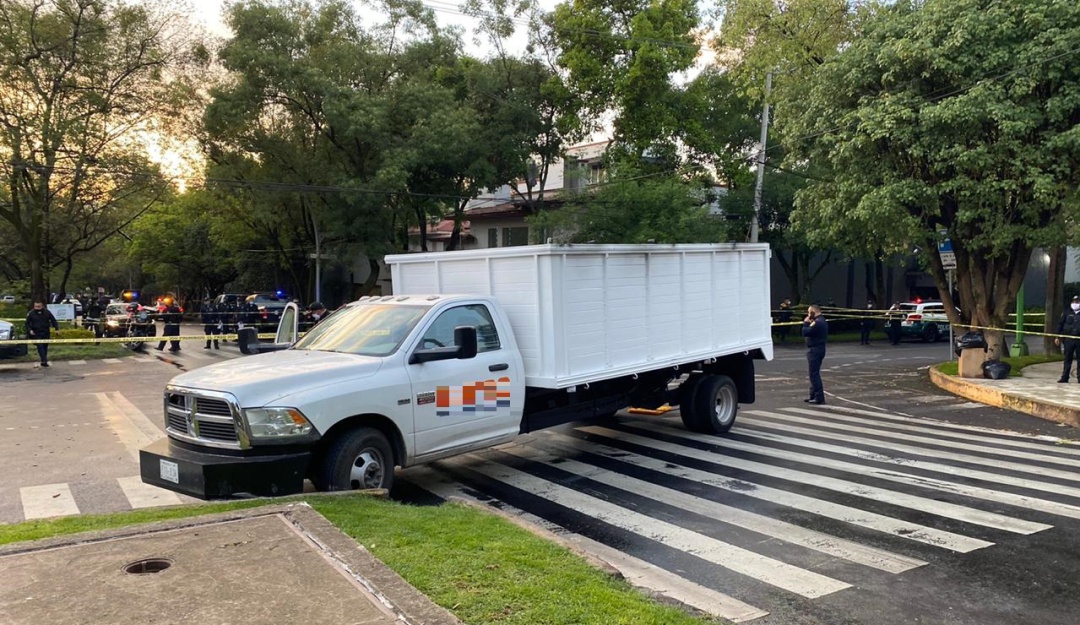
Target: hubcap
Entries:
(367, 470)
(725, 405)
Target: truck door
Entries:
(462, 402)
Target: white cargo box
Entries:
(584, 313)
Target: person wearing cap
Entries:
(1070, 327)
(314, 314)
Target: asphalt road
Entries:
(895, 503)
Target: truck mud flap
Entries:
(211, 476)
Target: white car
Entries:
(8, 333)
(924, 320)
(7, 299)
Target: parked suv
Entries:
(924, 320)
(270, 306)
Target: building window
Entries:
(493, 237)
(596, 173)
(512, 237)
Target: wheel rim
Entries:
(725, 405)
(367, 470)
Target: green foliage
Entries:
(662, 210)
(958, 115)
(91, 79)
(622, 56)
(72, 333)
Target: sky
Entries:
(447, 12)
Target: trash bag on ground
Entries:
(970, 340)
(996, 370)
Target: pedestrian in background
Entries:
(1070, 326)
(895, 318)
(211, 319)
(816, 332)
(867, 324)
(38, 322)
(172, 316)
(784, 318)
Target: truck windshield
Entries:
(365, 329)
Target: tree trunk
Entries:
(1055, 295)
(791, 272)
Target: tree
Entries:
(81, 79)
(622, 57)
(637, 209)
(952, 118)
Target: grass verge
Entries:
(484, 569)
(1018, 363)
(76, 351)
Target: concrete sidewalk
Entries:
(1036, 392)
(275, 564)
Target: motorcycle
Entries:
(140, 327)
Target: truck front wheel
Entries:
(715, 403)
(357, 459)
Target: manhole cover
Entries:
(150, 565)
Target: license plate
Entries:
(170, 471)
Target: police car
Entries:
(923, 320)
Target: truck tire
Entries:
(716, 402)
(687, 410)
(357, 459)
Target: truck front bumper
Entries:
(213, 476)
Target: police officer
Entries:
(1070, 326)
(867, 324)
(38, 322)
(816, 332)
(211, 318)
(172, 316)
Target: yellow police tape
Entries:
(133, 339)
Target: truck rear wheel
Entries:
(357, 459)
(715, 403)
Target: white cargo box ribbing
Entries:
(584, 313)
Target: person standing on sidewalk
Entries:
(211, 319)
(1070, 326)
(816, 331)
(38, 322)
(896, 317)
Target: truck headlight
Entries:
(277, 423)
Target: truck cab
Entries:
(383, 381)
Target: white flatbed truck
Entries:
(472, 349)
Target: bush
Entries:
(73, 333)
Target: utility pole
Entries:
(761, 161)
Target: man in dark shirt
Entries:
(38, 322)
(816, 331)
(172, 316)
(1070, 327)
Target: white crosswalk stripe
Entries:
(657, 482)
(773, 572)
(142, 495)
(636, 571)
(47, 501)
(845, 514)
(945, 485)
(817, 541)
(914, 502)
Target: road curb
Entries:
(995, 397)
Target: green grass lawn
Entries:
(75, 351)
(1018, 363)
(484, 569)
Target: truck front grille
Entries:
(200, 419)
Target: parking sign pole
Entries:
(952, 339)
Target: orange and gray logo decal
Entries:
(486, 396)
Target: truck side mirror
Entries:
(465, 339)
(464, 348)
